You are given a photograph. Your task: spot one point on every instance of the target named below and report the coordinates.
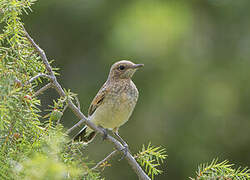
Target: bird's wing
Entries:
(97, 101)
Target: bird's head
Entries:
(123, 69)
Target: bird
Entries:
(114, 103)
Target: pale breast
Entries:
(117, 106)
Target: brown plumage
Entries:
(115, 101)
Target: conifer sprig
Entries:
(151, 157)
(221, 171)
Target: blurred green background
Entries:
(195, 86)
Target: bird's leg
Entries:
(105, 133)
(125, 145)
(122, 141)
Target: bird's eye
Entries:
(121, 67)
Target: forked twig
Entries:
(113, 153)
(38, 76)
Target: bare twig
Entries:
(37, 76)
(64, 108)
(44, 88)
(20, 84)
(70, 130)
(77, 102)
(104, 160)
(132, 162)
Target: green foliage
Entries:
(221, 171)
(53, 159)
(20, 128)
(30, 149)
(151, 158)
(55, 115)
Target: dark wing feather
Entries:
(97, 101)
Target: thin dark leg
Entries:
(105, 133)
(125, 145)
(119, 137)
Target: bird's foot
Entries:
(125, 151)
(105, 133)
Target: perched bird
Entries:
(114, 103)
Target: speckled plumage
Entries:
(117, 106)
(115, 101)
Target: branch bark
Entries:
(105, 159)
(37, 76)
(44, 88)
(131, 160)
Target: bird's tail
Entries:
(86, 135)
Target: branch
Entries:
(77, 102)
(131, 160)
(44, 88)
(75, 126)
(20, 84)
(40, 52)
(37, 76)
(104, 160)
(65, 107)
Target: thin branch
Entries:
(44, 88)
(132, 162)
(65, 107)
(70, 130)
(37, 76)
(40, 52)
(77, 102)
(20, 84)
(113, 153)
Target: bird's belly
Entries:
(113, 114)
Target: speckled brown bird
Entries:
(114, 103)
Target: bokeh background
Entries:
(195, 86)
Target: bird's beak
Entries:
(136, 66)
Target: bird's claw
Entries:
(125, 151)
(105, 134)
